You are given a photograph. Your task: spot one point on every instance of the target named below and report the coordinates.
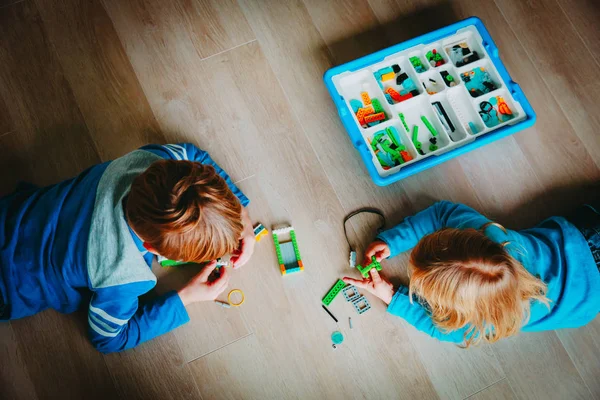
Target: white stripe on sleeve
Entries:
(107, 316)
(100, 331)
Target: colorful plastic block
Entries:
(394, 94)
(374, 117)
(350, 293)
(288, 254)
(364, 271)
(361, 304)
(429, 126)
(377, 106)
(389, 98)
(388, 77)
(333, 292)
(356, 105)
(365, 98)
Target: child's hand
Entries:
(379, 249)
(376, 284)
(200, 289)
(247, 242)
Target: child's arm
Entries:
(407, 234)
(188, 151)
(117, 321)
(416, 315)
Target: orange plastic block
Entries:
(301, 265)
(393, 94)
(365, 98)
(406, 156)
(282, 268)
(374, 117)
(503, 108)
(388, 77)
(362, 113)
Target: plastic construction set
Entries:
(422, 102)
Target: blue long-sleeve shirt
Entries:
(555, 251)
(69, 244)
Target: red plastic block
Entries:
(406, 156)
(393, 94)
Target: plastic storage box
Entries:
(422, 102)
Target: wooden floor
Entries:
(84, 81)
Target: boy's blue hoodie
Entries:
(62, 243)
(555, 251)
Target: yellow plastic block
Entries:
(388, 77)
(365, 98)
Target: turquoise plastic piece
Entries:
(337, 337)
(355, 104)
(355, 132)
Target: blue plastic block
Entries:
(355, 104)
(350, 293)
(361, 304)
(355, 132)
(292, 270)
(385, 70)
(389, 98)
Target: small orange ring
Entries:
(236, 291)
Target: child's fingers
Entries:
(206, 271)
(375, 276)
(358, 283)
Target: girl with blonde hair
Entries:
(471, 280)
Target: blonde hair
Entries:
(185, 211)
(467, 279)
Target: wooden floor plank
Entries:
(248, 374)
(498, 391)
(51, 141)
(6, 124)
(538, 367)
(60, 359)
(154, 370)
(14, 377)
(583, 15)
(335, 30)
(573, 84)
(111, 100)
(583, 346)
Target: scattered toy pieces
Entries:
(417, 64)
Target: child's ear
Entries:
(150, 248)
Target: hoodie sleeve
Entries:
(118, 322)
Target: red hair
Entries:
(185, 211)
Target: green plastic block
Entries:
(404, 122)
(335, 290)
(364, 271)
(277, 249)
(376, 106)
(295, 243)
(428, 125)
